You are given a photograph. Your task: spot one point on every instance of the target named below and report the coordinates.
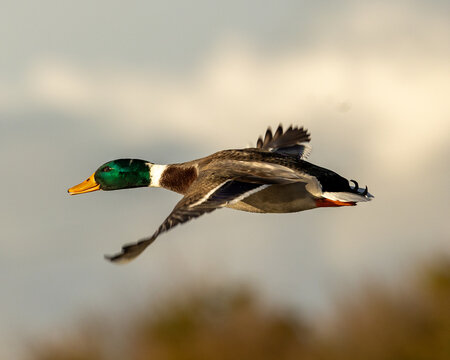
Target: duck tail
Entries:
(352, 195)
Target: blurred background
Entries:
(87, 82)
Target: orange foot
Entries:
(324, 202)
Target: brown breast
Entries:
(178, 178)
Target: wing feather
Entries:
(209, 192)
(293, 141)
(191, 206)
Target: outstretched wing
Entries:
(210, 192)
(294, 141)
(194, 204)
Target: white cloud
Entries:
(381, 110)
(400, 100)
(373, 91)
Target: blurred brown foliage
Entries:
(378, 323)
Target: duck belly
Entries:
(278, 199)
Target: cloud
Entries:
(395, 100)
(372, 88)
(374, 97)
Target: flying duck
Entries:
(272, 177)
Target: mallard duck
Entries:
(272, 177)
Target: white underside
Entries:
(347, 196)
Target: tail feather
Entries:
(348, 196)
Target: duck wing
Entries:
(202, 197)
(210, 192)
(293, 141)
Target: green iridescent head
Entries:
(115, 175)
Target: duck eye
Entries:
(106, 169)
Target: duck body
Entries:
(277, 199)
(273, 177)
(303, 194)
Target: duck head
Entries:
(115, 175)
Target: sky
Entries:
(85, 83)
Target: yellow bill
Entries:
(86, 186)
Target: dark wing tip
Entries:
(119, 258)
(259, 143)
(114, 258)
(279, 132)
(268, 137)
(291, 141)
(301, 132)
(130, 251)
